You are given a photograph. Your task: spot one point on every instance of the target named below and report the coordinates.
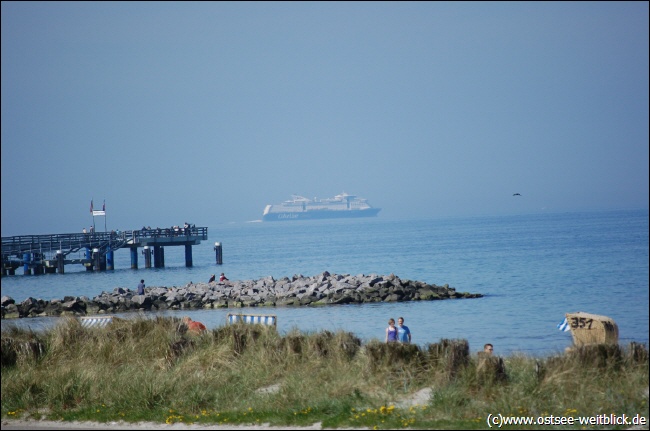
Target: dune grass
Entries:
(151, 370)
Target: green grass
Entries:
(149, 370)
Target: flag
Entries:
(564, 325)
(91, 206)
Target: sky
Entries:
(205, 112)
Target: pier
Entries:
(40, 254)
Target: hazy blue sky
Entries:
(206, 112)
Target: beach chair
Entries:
(260, 319)
(95, 321)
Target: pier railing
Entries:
(71, 242)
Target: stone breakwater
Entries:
(322, 289)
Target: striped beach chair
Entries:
(259, 319)
(95, 321)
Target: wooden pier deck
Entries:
(50, 253)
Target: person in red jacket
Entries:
(194, 327)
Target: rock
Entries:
(6, 300)
(319, 290)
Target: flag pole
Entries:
(104, 208)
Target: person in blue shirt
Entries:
(403, 332)
(141, 287)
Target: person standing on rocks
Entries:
(140, 289)
(403, 332)
(212, 278)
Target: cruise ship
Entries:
(301, 208)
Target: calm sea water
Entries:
(532, 270)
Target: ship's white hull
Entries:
(319, 214)
(301, 208)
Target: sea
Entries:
(532, 269)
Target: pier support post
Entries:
(109, 260)
(147, 256)
(188, 255)
(219, 252)
(97, 259)
(134, 257)
(60, 261)
(158, 256)
(89, 257)
(26, 259)
(37, 261)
